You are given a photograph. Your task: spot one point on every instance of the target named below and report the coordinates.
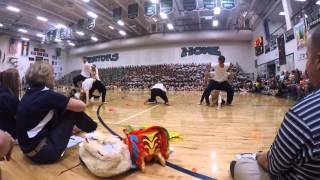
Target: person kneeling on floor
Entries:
(158, 90)
(295, 152)
(45, 119)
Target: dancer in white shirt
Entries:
(93, 83)
(158, 90)
(219, 82)
(85, 72)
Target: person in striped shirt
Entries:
(295, 152)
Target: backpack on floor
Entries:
(105, 155)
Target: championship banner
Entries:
(80, 24)
(25, 48)
(289, 35)
(150, 9)
(209, 4)
(282, 50)
(133, 11)
(166, 6)
(300, 34)
(313, 18)
(189, 5)
(91, 23)
(117, 14)
(258, 46)
(13, 46)
(228, 4)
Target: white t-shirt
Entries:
(220, 74)
(159, 86)
(86, 70)
(87, 84)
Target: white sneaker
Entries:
(246, 155)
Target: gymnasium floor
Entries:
(211, 138)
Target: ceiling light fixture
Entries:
(154, 1)
(94, 39)
(57, 40)
(61, 26)
(120, 22)
(22, 30)
(13, 9)
(154, 19)
(40, 18)
(301, 0)
(217, 10)
(25, 39)
(92, 14)
(86, 0)
(111, 27)
(71, 44)
(318, 2)
(1, 25)
(41, 35)
(80, 33)
(170, 26)
(123, 33)
(215, 23)
(245, 13)
(282, 13)
(163, 15)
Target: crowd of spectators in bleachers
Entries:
(294, 85)
(176, 77)
(191, 77)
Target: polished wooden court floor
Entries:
(211, 138)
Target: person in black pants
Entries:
(97, 85)
(45, 119)
(158, 90)
(219, 82)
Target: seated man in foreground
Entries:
(295, 152)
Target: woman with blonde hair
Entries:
(9, 100)
(45, 119)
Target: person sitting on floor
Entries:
(9, 100)
(295, 152)
(45, 119)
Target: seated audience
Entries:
(45, 119)
(9, 100)
(294, 153)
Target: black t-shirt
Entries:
(8, 107)
(35, 113)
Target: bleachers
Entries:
(178, 77)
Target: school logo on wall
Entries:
(103, 58)
(190, 51)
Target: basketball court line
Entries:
(137, 114)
